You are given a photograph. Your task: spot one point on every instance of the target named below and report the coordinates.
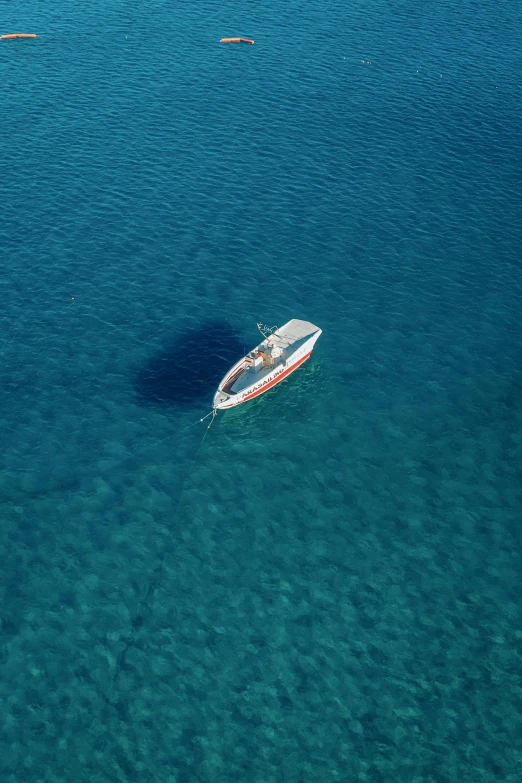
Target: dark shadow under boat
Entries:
(189, 370)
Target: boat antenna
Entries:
(267, 331)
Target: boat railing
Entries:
(235, 375)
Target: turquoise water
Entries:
(327, 587)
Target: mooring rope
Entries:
(155, 579)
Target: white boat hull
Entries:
(295, 341)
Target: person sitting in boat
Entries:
(270, 355)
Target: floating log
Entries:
(18, 35)
(236, 40)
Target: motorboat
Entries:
(282, 351)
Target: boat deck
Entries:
(252, 375)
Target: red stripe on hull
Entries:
(276, 380)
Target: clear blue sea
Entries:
(327, 586)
